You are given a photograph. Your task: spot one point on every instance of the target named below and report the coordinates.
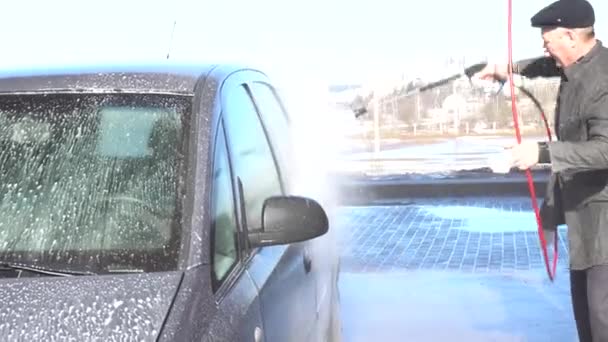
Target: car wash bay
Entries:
(450, 261)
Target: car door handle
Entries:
(307, 262)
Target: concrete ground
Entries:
(450, 270)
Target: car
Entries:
(154, 202)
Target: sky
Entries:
(339, 41)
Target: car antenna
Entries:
(171, 39)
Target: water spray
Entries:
(171, 39)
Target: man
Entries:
(577, 193)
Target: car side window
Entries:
(275, 120)
(252, 157)
(224, 221)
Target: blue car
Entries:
(153, 203)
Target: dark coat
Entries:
(577, 193)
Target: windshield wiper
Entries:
(42, 270)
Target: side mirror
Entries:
(289, 219)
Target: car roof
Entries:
(166, 78)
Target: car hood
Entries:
(102, 308)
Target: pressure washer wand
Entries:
(468, 72)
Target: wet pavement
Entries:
(466, 269)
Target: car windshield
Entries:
(91, 181)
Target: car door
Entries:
(275, 118)
(282, 273)
(238, 315)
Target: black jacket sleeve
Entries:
(537, 67)
(591, 154)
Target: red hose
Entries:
(551, 269)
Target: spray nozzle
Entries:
(358, 107)
(473, 69)
(359, 111)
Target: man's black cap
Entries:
(565, 13)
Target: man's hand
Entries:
(493, 72)
(524, 155)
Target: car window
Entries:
(224, 223)
(275, 121)
(251, 155)
(91, 177)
